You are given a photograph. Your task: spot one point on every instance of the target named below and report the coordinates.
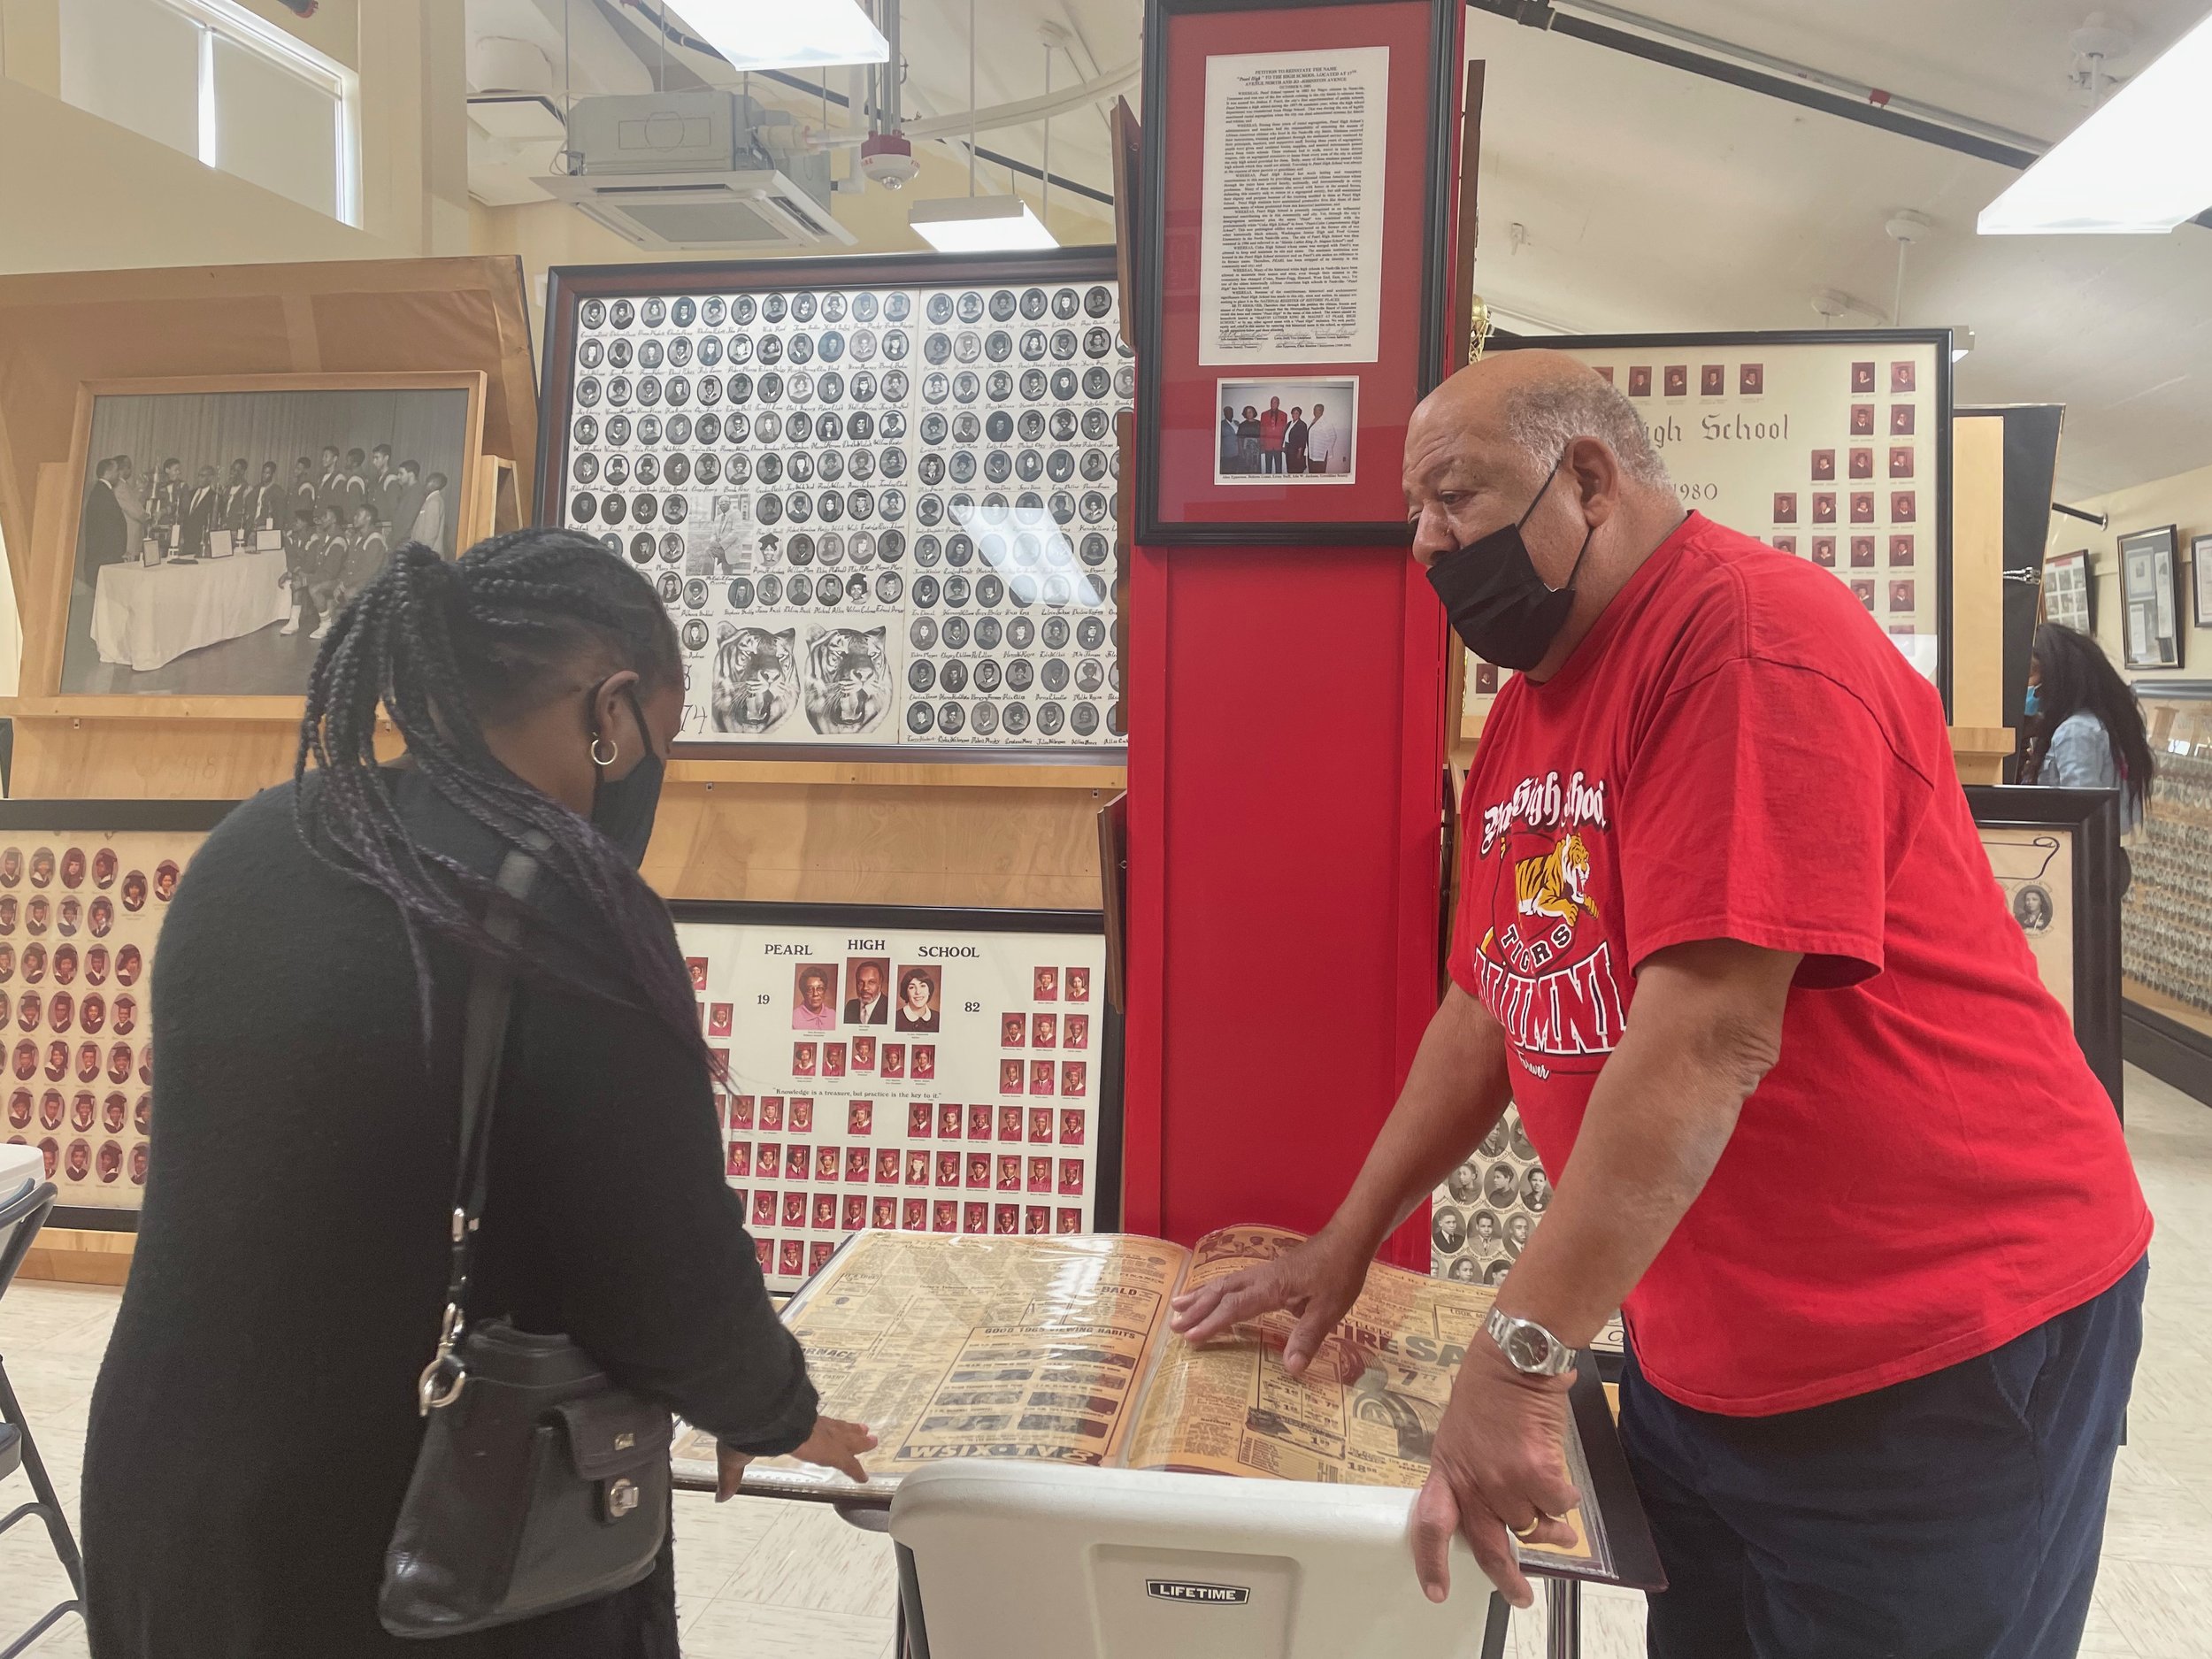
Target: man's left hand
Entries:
(1497, 1475)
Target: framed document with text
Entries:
(1295, 253)
(2150, 598)
(927, 1071)
(1832, 445)
(2069, 592)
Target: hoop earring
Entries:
(612, 755)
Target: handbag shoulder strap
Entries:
(483, 1049)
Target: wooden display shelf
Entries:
(991, 774)
(80, 1255)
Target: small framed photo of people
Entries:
(221, 524)
(2056, 854)
(1287, 431)
(906, 1068)
(1481, 1218)
(84, 887)
(2150, 595)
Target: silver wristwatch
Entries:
(1527, 1347)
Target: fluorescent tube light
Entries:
(2141, 163)
(787, 34)
(979, 224)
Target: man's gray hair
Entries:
(1543, 420)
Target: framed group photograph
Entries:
(879, 497)
(2150, 597)
(947, 1071)
(220, 523)
(1294, 250)
(2070, 591)
(1830, 445)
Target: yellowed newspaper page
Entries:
(1021, 1349)
(1363, 1414)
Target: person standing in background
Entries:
(1273, 424)
(330, 484)
(170, 495)
(1324, 442)
(201, 510)
(2084, 725)
(272, 507)
(237, 514)
(430, 521)
(357, 491)
(406, 501)
(133, 504)
(1295, 438)
(103, 533)
(1229, 440)
(384, 485)
(1248, 441)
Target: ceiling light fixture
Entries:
(782, 34)
(979, 224)
(2140, 165)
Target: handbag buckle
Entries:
(442, 1379)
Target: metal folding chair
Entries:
(21, 1216)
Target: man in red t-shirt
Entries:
(1274, 425)
(1728, 938)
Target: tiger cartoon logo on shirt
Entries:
(1545, 964)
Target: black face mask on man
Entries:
(623, 810)
(1497, 603)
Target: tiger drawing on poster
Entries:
(847, 680)
(756, 679)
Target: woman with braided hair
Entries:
(254, 1426)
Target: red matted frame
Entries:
(1313, 840)
(1178, 501)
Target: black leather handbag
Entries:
(540, 1483)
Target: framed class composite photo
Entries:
(219, 523)
(1296, 215)
(879, 496)
(1830, 445)
(950, 1071)
(84, 885)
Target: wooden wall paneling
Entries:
(1980, 739)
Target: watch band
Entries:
(1527, 1345)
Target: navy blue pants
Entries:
(1958, 1515)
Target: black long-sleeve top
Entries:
(254, 1426)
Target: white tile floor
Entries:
(791, 1581)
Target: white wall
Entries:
(2185, 500)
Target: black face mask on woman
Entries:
(1497, 603)
(623, 810)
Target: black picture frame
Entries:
(2201, 572)
(1940, 522)
(1150, 529)
(2088, 586)
(2091, 820)
(847, 919)
(567, 287)
(95, 817)
(2146, 545)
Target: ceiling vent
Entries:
(696, 170)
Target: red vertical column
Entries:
(1285, 705)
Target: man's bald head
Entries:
(1537, 401)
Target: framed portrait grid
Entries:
(84, 885)
(879, 496)
(1297, 211)
(1832, 445)
(2070, 591)
(2151, 633)
(947, 1071)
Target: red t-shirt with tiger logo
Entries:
(1736, 751)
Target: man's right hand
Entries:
(1317, 1280)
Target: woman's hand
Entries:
(1317, 1280)
(834, 1444)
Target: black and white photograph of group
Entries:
(1284, 430)
(1480, 1219)
(220, 533)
